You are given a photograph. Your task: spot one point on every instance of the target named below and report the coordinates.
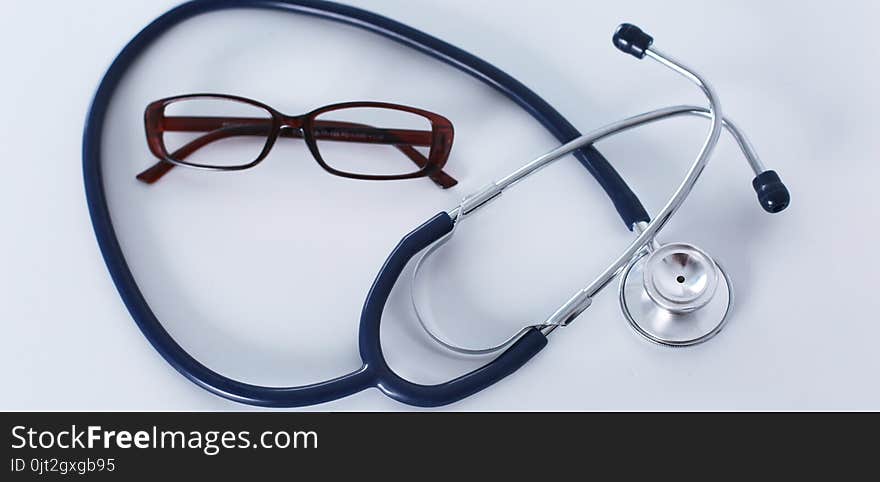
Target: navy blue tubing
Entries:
(375, 371)
(371, 347)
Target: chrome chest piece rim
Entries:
(676, 295)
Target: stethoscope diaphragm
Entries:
(676, 295)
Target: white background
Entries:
(262, 274)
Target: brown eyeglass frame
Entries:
(304, 126)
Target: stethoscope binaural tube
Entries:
(374, 372)
(773, 196)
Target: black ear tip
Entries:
(624, 29)
(632, 40)
(772, 193)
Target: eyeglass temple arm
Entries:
(159, 169)
(219, 132)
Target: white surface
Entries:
(258, 275)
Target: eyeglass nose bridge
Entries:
(295, 123)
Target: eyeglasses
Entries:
(358, 140)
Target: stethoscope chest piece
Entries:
(676, 295)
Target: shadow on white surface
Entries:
(262, 274)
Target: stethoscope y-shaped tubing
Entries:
(626, 203)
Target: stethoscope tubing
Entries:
(375, 371)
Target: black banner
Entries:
(123, 446)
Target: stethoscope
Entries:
(375, 371)
(674, 294)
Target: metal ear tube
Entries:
(674, 295)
